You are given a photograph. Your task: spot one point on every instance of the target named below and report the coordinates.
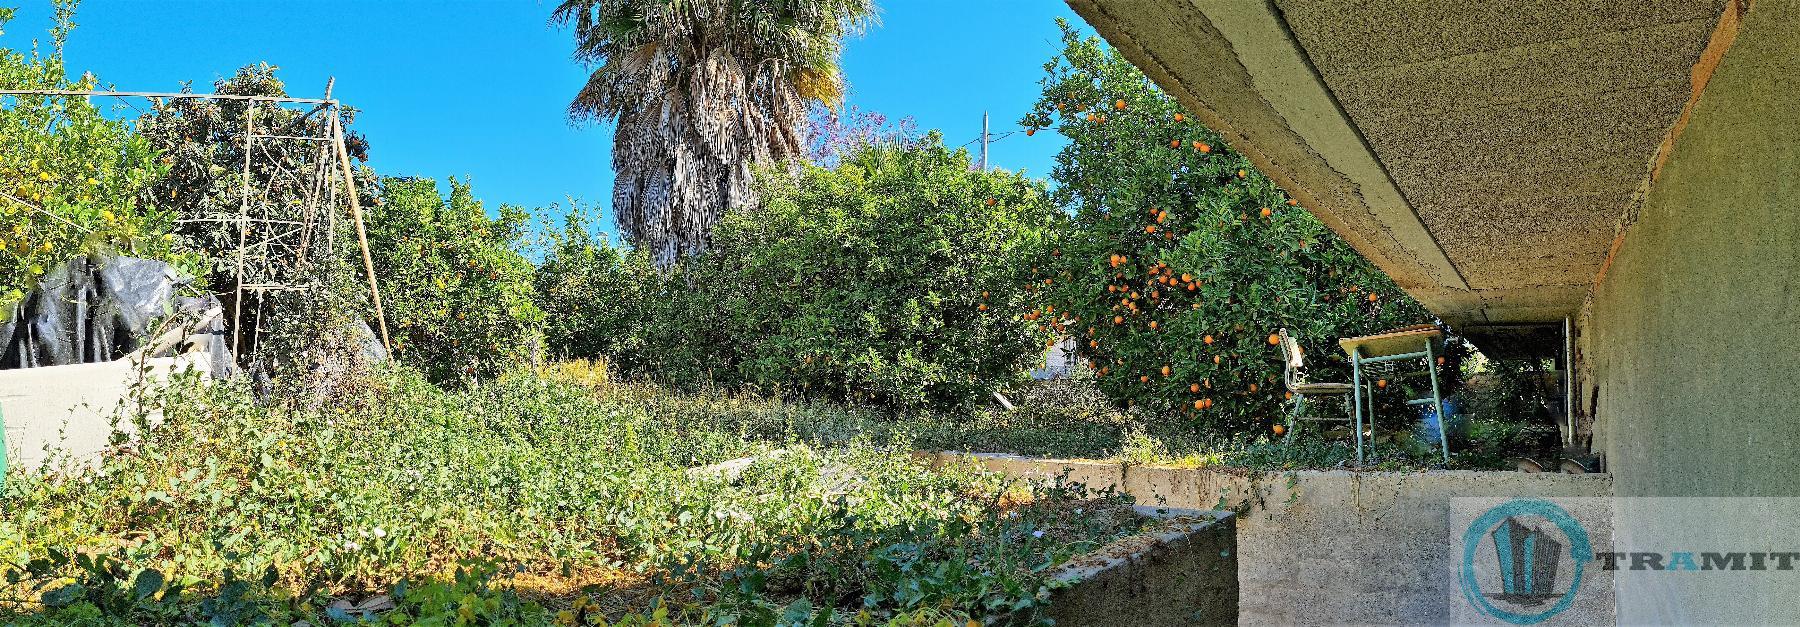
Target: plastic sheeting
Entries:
(99, 309)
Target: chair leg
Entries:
(1437, 403)
(1356, 390)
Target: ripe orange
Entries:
(1292, 202)
(1118, 319)
(1373, 297)
(1287, 395)
(1178, 117)
(1059, 106)
(1187, 278)
(1209, 403)
(1253, 387)
(1381, 383)
(1199, 403)
(984, 294)
(1030, 131)
(1143, 378)
(1440, 360)
(1194, 387)
(1217, 359)
(1208, 339)
(1274, 339)
(1160, 216)
(1119, 104)
(1241, 174)
(990, 202)
(1149, 228)
(981, 307)
(1165, 370)
(1192, 287)
(1279, 429)
(1174, 143)
(1266, 212)
(1152, 325)
(1091, 117)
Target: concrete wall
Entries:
(1691, 342)
(69, 410)
(1184, 575)
(1322, 547)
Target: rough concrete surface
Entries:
(1184, 575)
(1688, 351)
(69, 410)
(1322, 547)
(1480, 153)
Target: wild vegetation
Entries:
(540, 447)
(242, 511)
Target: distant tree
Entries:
(702, 91)
(831, 134)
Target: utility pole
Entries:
(984, 139)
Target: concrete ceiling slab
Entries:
(1481, 152)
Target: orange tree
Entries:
(457, 291)
(1180, 261)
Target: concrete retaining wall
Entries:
(1186, 575)
(1320, 547)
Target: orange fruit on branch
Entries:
(1179, 117)
(1280, 429)
(1119, 104)
(1274, 339)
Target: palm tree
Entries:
(703, 91)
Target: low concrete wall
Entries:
(1186, 575)
(70, 409)
(1320, 547)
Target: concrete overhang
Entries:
(1483, 154)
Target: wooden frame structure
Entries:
(274, 252)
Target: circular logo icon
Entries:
(1513, 565)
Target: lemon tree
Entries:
(73, 180)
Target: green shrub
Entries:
(895, 278)
(458, 294)
(1179, 260)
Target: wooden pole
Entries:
(243, 226)
(984, 140)
(362, 235)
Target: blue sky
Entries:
(478, 89)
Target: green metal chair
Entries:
(1295, 379)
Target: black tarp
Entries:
(97, 308)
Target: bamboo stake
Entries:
(362, 236)
(237, 301)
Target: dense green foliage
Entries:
(72, 180)
(895, 278)
(1180, 261)
(458, 292)
(577, 490)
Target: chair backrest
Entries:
(1295, 358)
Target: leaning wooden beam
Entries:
(362, 236)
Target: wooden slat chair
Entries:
(1295, 378)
